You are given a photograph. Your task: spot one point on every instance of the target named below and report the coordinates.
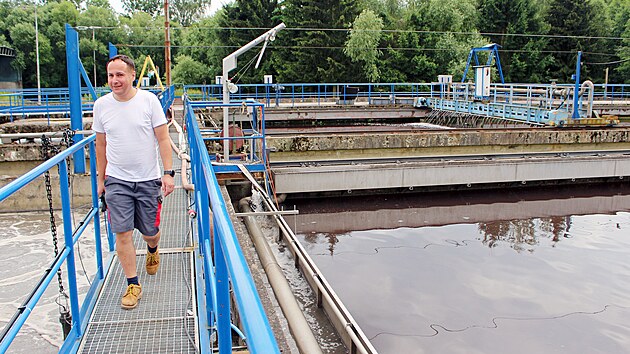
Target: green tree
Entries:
(624, 54)
(144, 37)
(186, 12)
(362, 44)
(151, 7)
(189, 71)
(506, 22)
(243, 21)
(619, 13)
(575, 22)
(315, 54)
(97, 22)
(201, 42)
(52, 17)
(436, 38)
(52, 26)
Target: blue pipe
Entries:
(576, 113)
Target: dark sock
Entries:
(133, 280)
(152, 249)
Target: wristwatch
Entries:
(169, 172)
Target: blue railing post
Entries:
(223, 298)
(576, 112)
(113, 51)
(74, 87)
(69, 245)
(97, 218)
(206, 238)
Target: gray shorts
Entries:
(134, 205)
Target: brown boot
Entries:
(153, 262)
(131, 297)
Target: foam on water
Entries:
(26, 250)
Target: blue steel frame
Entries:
(113, 51)
(228, 265)
(494, 53)
(80, 313)
(294, 94)
(74, 87)
(167, 97)
(20, 103)
(258, 159)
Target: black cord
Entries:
(186, 278)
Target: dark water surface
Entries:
(527, 271)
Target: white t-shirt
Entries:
(132, 148)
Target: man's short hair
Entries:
(125, 59)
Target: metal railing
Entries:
(49, 102)
(166, 97)
(292, 95)
(223, 261)
(252, 136)
(55, 101)
(80, 312)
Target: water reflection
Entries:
(522, 235)
(521, 274)
(331, 240)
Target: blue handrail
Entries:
(293, 94)
(20, 104)
(80, 312)
(228, 263)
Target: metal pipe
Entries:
(185, 184)
(298, 325)
(541, 91)
(591, 92)
(339, 315)
(182, 156)
(39, 135)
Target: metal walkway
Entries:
(165, 319)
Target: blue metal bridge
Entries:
(203, 266)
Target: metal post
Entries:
(167, 45)
(113, 51)
(97, 216)
(39, 93)
(606, 83)
(69, 244)
(576, 112)
(74, 89)
(94, 55)
(223, 297)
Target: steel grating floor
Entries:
(160, 336)
(165, 319)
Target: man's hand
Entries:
(100, 187)
(168, 185)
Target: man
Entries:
(130, 126)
